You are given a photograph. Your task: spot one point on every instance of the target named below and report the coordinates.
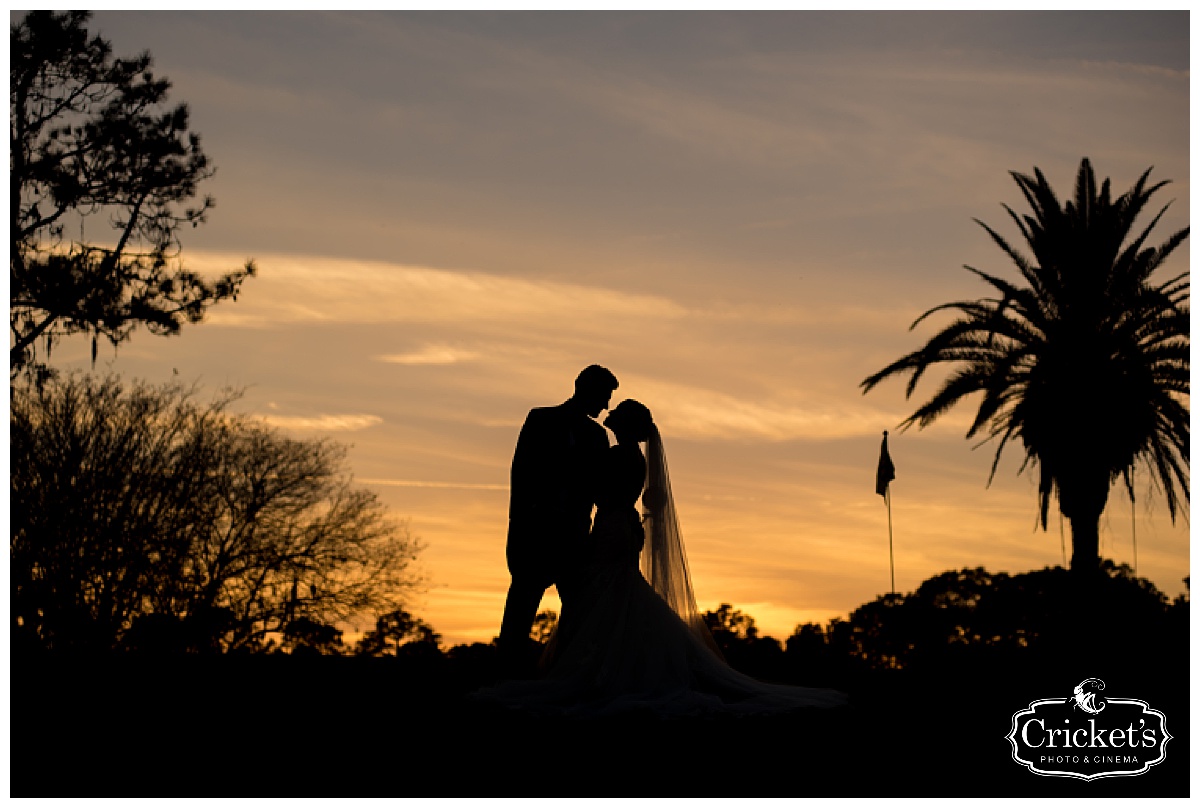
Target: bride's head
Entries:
(630, 420)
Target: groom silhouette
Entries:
(552, 489)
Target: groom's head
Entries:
(594, 388)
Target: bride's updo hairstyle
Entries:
(638, 419)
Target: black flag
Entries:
(886, 471)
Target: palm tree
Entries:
(1086, 363)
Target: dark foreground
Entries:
(326, 727)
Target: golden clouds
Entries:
(430, 355)
(322, 423)
(694, 412)
(435, 484)
(712, 371)
(297, 289)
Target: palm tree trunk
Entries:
(1083, 493)
(1086, 587)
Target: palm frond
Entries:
(1085, 189)
(1161, 253)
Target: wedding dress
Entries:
(633, 640)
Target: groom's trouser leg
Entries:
(530, 568)
(520, 609)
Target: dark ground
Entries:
(330, 726)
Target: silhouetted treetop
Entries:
(1086, 363)
(997, 615)
(96, 150)
(544, 624)
(138, 512)
(394, 632)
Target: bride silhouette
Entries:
(633, 639)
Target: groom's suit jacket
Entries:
(552, 489)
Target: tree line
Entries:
(957, 623)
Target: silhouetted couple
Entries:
(630, 635)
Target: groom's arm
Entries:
(527, 457)
(536, 475)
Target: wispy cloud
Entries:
(323, 423)
(1137, 69)
(435, 484)
(294, 289)
(694, 412)
(431, 355)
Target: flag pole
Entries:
(891, 555)
(884, 474)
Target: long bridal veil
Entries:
(663, 561)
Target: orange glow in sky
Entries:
(739, 215)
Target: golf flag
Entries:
(886, 471)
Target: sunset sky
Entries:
(738, 214)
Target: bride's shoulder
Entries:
(623, 454)
(627, 455)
